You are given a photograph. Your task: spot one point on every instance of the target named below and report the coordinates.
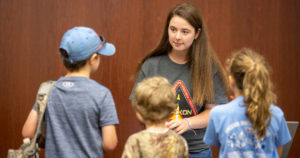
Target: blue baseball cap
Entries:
(81, 42)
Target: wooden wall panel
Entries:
(30, 33)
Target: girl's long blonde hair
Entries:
(252, 76)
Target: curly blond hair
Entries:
(154, 99)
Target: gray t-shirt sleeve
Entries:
(139, 78)
(148, 69)
(219, 90)
(108, 113)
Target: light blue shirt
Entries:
(230, 129)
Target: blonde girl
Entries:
(250, 125)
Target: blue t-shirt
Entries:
(77, 109)
(230, 129)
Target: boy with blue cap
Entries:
(80, 117)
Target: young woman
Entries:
(248, 126)
(185, 58)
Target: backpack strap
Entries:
(41, 103)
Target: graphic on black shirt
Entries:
(184, 100)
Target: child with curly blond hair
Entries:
(154, 101)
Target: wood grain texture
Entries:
(31, 30)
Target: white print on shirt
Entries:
(243, 143)
(68, 84)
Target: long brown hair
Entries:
(201, 56)
(252, 77)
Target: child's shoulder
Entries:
(82, 83)
(148, 134)
(176, 137)
(276, 111)
(234, 106)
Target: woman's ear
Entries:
(197, 34)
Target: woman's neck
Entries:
(178, 57)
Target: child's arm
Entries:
(30, 125)
(215, 151)
(109, 136)
(279, 151)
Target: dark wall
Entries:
(30, 33)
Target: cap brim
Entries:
(108, 49)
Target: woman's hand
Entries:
(178, 125)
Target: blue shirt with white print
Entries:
(230, 129)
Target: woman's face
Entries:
(181, 34)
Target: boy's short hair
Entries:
(71, 66)
(80, 43)
(154, 99)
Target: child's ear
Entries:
(231, 81)
(94, 58)
(139, 117)
(232, 87)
